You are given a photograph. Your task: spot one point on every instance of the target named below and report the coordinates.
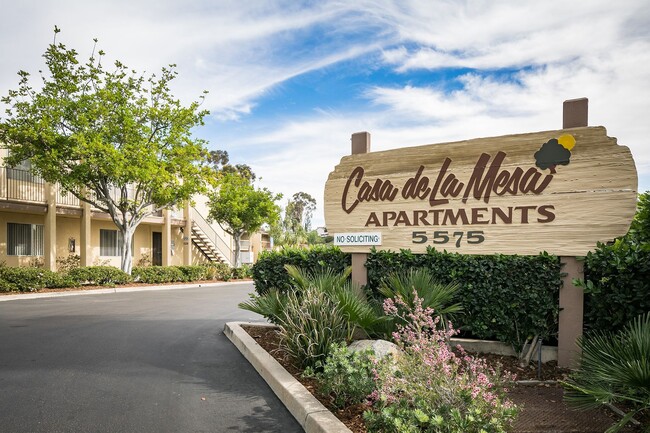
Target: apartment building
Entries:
(39, 224)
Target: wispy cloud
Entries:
(507, 65)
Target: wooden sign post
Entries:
(557, 191)
(571, 316)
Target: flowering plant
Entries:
(432, 388)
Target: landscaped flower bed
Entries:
(541, 405)
(426, 385)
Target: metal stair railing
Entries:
(221, 245)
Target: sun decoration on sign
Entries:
(556, 151)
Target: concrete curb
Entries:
(115, 290)
(308, 411)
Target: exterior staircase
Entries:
(208, 241)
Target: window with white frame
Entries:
(25, 239)
(110, 243)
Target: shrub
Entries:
(193, 273)
(218, 271)
(66, 264)
(507, 298)
(99, 275)
(158, 274)
(244, 271)
(269, 272)
(350, 300)
(617, 283)
(347, 377)
(145, 260)
(430, 388)
(59, 280)
(23, 279)
(614, 368)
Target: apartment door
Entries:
(156, 248)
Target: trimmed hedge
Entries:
(217, 271)
(158, 274)
(268, 272)
(23, 279)
(617, 284)
(244, 271)
(617, 276)
(30, 279)
(99, 275)
(193, 273)
(507, 298)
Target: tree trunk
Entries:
(237, 237)
(127, 240)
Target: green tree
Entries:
(113, 138)
(241, 208)
(293, 229)
(220, 161)
(299, 211)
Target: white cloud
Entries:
(241, 51)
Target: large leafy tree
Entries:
(113, 137)
(239, 207)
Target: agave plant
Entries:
(433, 294)
(614, 368)
(311, 323)
(321, 308)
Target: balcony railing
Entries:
(21, 185)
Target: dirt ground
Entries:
(542, 407)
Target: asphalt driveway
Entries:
(152, 361)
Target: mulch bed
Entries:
(543, 408)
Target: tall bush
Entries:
(269, 272)
(617, 276)
(508, 298)
(99, 275)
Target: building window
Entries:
(25, 239)
(110, 243)
(21, 172)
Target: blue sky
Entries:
(290, 81)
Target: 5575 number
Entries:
(444, 236)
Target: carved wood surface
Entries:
(591, 199)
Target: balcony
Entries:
(21, 186)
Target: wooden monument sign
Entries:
(555, 191)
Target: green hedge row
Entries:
(617, 276)
(268, 272)
(507, 298)
(504, 297)
(617, 284)
(25, 279)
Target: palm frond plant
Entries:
(324, 279)
(614, 369)
(270, 305)
(349, 297)
(433, 294)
